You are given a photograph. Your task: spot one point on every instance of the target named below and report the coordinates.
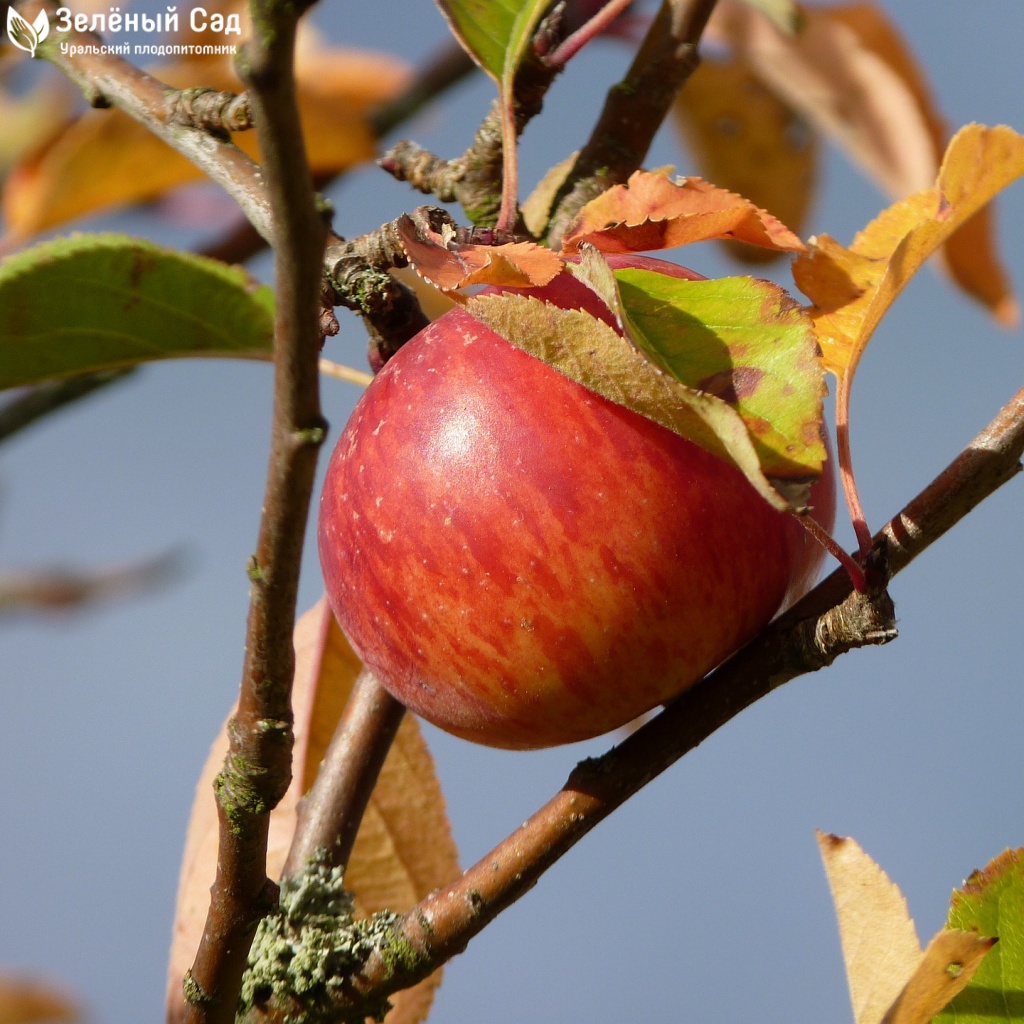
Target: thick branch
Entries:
(830, 620)
(257, 768)
(634, 108)
(108, 80)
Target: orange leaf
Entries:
(105, 159)
(851, 74)
(404, 849)
(450, 265)
(749, 140)
(652, 212)
(25, 1000)
(853, 288)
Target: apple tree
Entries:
(584, 492)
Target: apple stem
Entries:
(509, 212)
(828, 542)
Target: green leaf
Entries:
(747, 343)
(991, 902)
(95, 302)
(494, 32)
(594, 355)
(784, 14)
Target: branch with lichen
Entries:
(829, 621)
(474, 180)
(257, 768)
(634, 109)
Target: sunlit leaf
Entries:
(404, 849)
(450, 265)
(850, 72)
(991, 902)
(106, 159)
(95, 302)
(853, 288)
(880, 945)
(891, 980)
(652, 212)
(750, 141)
(743, 341)
(946, 968)
(25, 1000)
(494, 32)
(594, 355)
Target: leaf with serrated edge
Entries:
(853, 288)
(26, 1000)
(452, 265)
(748, 139)
(96, 302)
(595, 356)
(947, 966)
(991, 902)
(404, 849)
(652, 212)
(744, 341)
(880, 945)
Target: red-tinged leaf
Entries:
(450, 265)
(404, 849)
(746, 342)
(751, 141)
(594, 355)
(652, 212)
(853, 288)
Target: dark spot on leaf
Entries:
(733, 385)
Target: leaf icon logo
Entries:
(24, 35)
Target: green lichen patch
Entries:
(306, 952)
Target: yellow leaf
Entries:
(948, 965)
(404, 849)
(26, 1000)
(853, 288)
(891, 981)
(749, 140)
(105, 159)
(880, 945)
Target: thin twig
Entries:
(330, 813)
(634, 109)
(257, 769)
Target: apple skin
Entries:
(525, 563)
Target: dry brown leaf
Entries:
(880, 945)
(891, 981)
(106, 159)
(404, 849)
(947, 966)
(26, 1000)
(748, 139)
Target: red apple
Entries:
(524, 563)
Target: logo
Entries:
(25, 36)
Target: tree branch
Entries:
(330, 813)
(257, 768)
(634, 109)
